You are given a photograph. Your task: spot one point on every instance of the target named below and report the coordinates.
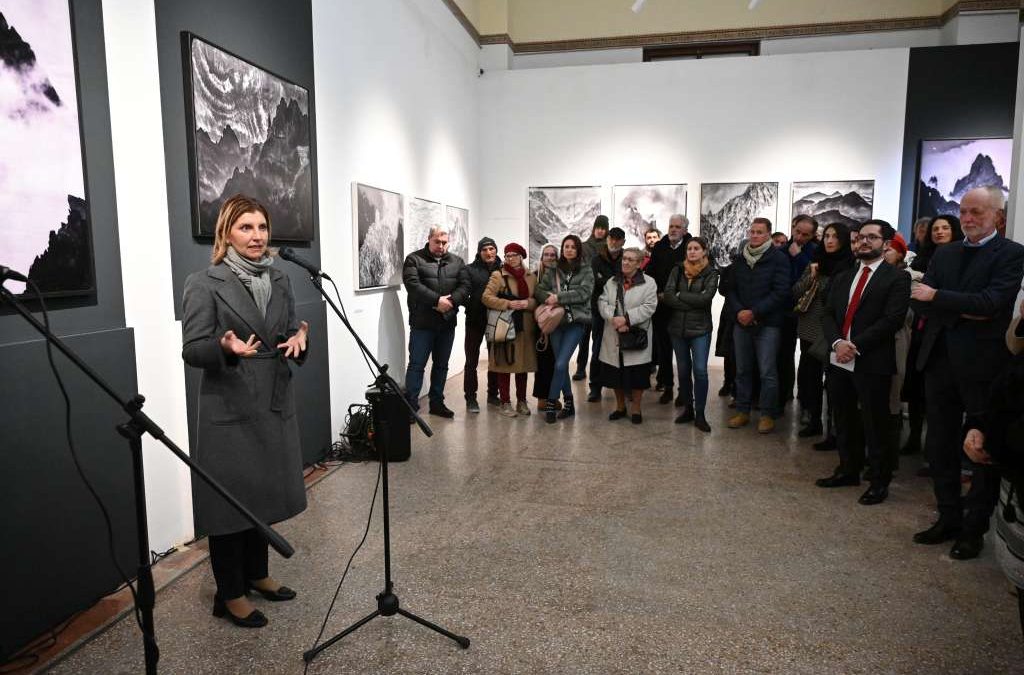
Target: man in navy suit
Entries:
(865, 308)
(967, 296)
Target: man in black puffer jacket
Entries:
(665, 255)
(479, 272)
(606, 263)
(436, 283)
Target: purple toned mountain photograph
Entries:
(249, 133)
(557, 211)
(845, 202)
(949, 168)
(726, 210)
(46, 231)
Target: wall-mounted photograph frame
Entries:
(44, 199)
(726, 210)
(421, 215)
(639, 208)
(837, 201)
(948, 168)
(457, 219)
(377, 237)
(249, 132)
(555, 211)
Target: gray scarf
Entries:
(752, 255)
(255, 276)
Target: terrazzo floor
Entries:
(592, 546)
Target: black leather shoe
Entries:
(966, 548)
(666, 396)
(568, 410)
(838, 480)
(494, 401)
(579, 375)
(441, 410)
(256, 618)
(686, 416)
(594, 396)
(726, 390)
(826, 445)
(616, 415)
(874, 495)
(636, 418)
(702, 424)
(280, 595)
(810, 431)
(939, 532)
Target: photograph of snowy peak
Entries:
(557, 211)
(950, 168)
(250, 134)
(845, 202)
(458, 232)
(639, 208)
(726, 210)
(45, 234)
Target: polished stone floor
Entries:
(603, 547)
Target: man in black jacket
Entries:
(967, 297)
(436, 285)
(478, 273)
(665, 255)
(591, 247)
(866, 306)
(606, 264)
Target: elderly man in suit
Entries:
(967, 295)
(865, 308)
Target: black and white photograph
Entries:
(639, 208)
(46, 231)
(379, 243)
(557, 211)
(950, 168)
(249, 133)
(421, 215)
(457, 220)
(846, 202)
(726, 210)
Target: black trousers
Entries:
(236, 558)
(786, 362)
(470, 383)
(810, 382)
(948, 398)
(584, 353)
(863, 422)
(662, 348)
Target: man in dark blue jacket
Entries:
(758, 299)
(479, 273)
(800, 250)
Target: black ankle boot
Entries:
(568, 409)
(702, 423)
(549, 411)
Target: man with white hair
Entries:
(436, 283)
(665, 255)
(967, 296)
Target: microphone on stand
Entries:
(290, 255)
(7, 273)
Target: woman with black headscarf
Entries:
(829, 259)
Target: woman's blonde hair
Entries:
(233, 209)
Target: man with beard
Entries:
(665, 255)
(606, 264)
(800, 249)
(866, 306)
(477, 274)
(651, 237)
(967, 297)
(591, 247)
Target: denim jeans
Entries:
(435, 344)
(692, 353)
(596, 335)
(564, 341)
(757, 347)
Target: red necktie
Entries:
(851, 309)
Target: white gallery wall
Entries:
(396, 106)
(794, 117)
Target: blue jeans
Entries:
(757, 347)
(425, 343)
(564, 342)
(696, 392)
(596, 335)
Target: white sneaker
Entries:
(507, 410)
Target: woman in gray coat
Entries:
(239, 327)
(628, 301)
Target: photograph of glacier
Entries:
(249, 134)
(422, 215)
(950, 168)
(726, 210)
(557, 211)
(845, 202)
(46, 231)
(458, 232)
(378, 218)
(639, 208)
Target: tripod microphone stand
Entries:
(387, 602)
(133, 430)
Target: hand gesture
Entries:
(922, 293)
(618, 323)
(974, 446)
(444, 304)
(296, 344)
(551, 300)
(231, 345)
(814, 270)
(794, 250)
(745, 317)
(520, 304)
(845, 351)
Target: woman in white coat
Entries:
(627, 302)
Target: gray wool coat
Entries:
(248, 434)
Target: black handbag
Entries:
(634, 339)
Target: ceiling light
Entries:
(637, 6)
(753, 4)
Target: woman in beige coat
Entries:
(511, 287)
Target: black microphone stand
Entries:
(133, 429)
(387, 601)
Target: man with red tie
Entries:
(865, 308)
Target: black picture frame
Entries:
(919, 180)
(292, 220)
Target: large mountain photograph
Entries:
(846, 202)
(557, 211)
(251, 135)
(46, 228)
(950, 168)
(378, 217)
(726, 210)
(639, 208)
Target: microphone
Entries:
(290, 255)
(7, 273)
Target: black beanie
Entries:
(486, 241)
(601, 221)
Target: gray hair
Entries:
(995, 196)
(635, 251)
(437, 229)
(685, 221)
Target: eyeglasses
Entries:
(872, 237)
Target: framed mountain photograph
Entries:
(949, 168)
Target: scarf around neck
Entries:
(519, 274)
(693, 270)
(752, 255)
(254, 275)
